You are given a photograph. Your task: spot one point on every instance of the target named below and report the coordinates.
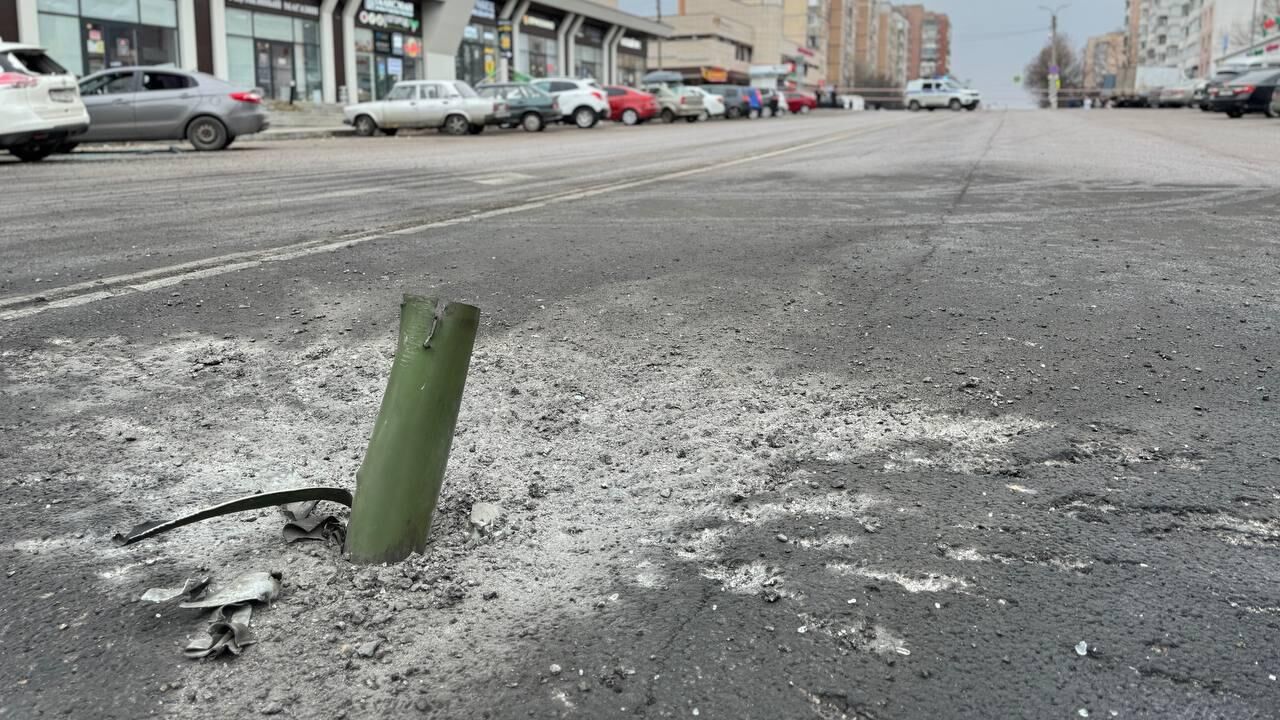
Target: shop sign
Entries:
(390, 14)
(490, 65)
(631, 43)
(769, 70)
(715, 75)
(296, 8)
(395, 67)
(471, 32)
(397, 43)
(539, 22)
(382, 43)
(504, 39)
(412, 47)
(486, 9)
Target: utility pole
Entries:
(1054, 71)
(659, 5)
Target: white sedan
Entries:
(450, 105)
(713, 104)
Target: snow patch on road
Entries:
(914, 583)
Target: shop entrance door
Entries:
(274, 68)
(471, 63)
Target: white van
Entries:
(940, 93)
(40, 105)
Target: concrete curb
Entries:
(299, 133)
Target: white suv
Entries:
(40, 106)
(940, 93)
(584, 102)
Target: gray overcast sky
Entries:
(992, 40)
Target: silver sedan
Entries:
(148, 103)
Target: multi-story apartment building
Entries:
(1104, 57)
(928, 42)
(891, 48)
(1188, 34)
(841, 24)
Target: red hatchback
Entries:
(629, 105)
(798, 102)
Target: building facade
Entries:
(746, 41)
(339, 50)
(928, 42)
(1191, 34)
(841, 25)
(1104, 57)
(891, 45)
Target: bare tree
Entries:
(1035, 78)
(1243, 33)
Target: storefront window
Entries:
(278, 53)
(477, 58)
(90, 35)
(384, 57)
(537, 56)
(589, 62)
(631, 69)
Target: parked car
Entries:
(770, 101)
(933, 93)
(451, 106)
(1230, 71)
(713, 103)
(583, 102)
(520, 104)
(798, 102)
(1251, 93)
(677, 102)
(736, 101)
(148, 103)
(40, 105)
(630, 106)
(1176, 96)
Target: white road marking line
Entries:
(199, 269)
(506, 178)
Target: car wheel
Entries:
(913, 106)
(33, 152)
(971, 107)
(630, 117)
(804, 110)
(584, 117)
(365, 126)
(1235, 114)
(206, 133)
(390, 132)
(456, 125)
(531, 122)
(691, 119)
(668, 116)
(1272, 111)
(753, 114)
(733, 113)
(704, 115)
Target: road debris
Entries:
(190, 590)
(229, 632)
(303, 525)
(482, 518)
(1082, 648)
(148, 529)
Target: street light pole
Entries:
(659, 4)
(1054, 70)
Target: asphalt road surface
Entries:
(948, 415)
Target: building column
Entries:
(442, 27)
(349, 49)
(218, 36)
(187, 35)
(28, 22)
(563, 39)
(328, 67)
(512, 12)
(611, 41)
(569, 48)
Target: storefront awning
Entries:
(612, 16)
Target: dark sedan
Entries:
(1250, 93)
(147, 103)
(526, 105)
(736, 101)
